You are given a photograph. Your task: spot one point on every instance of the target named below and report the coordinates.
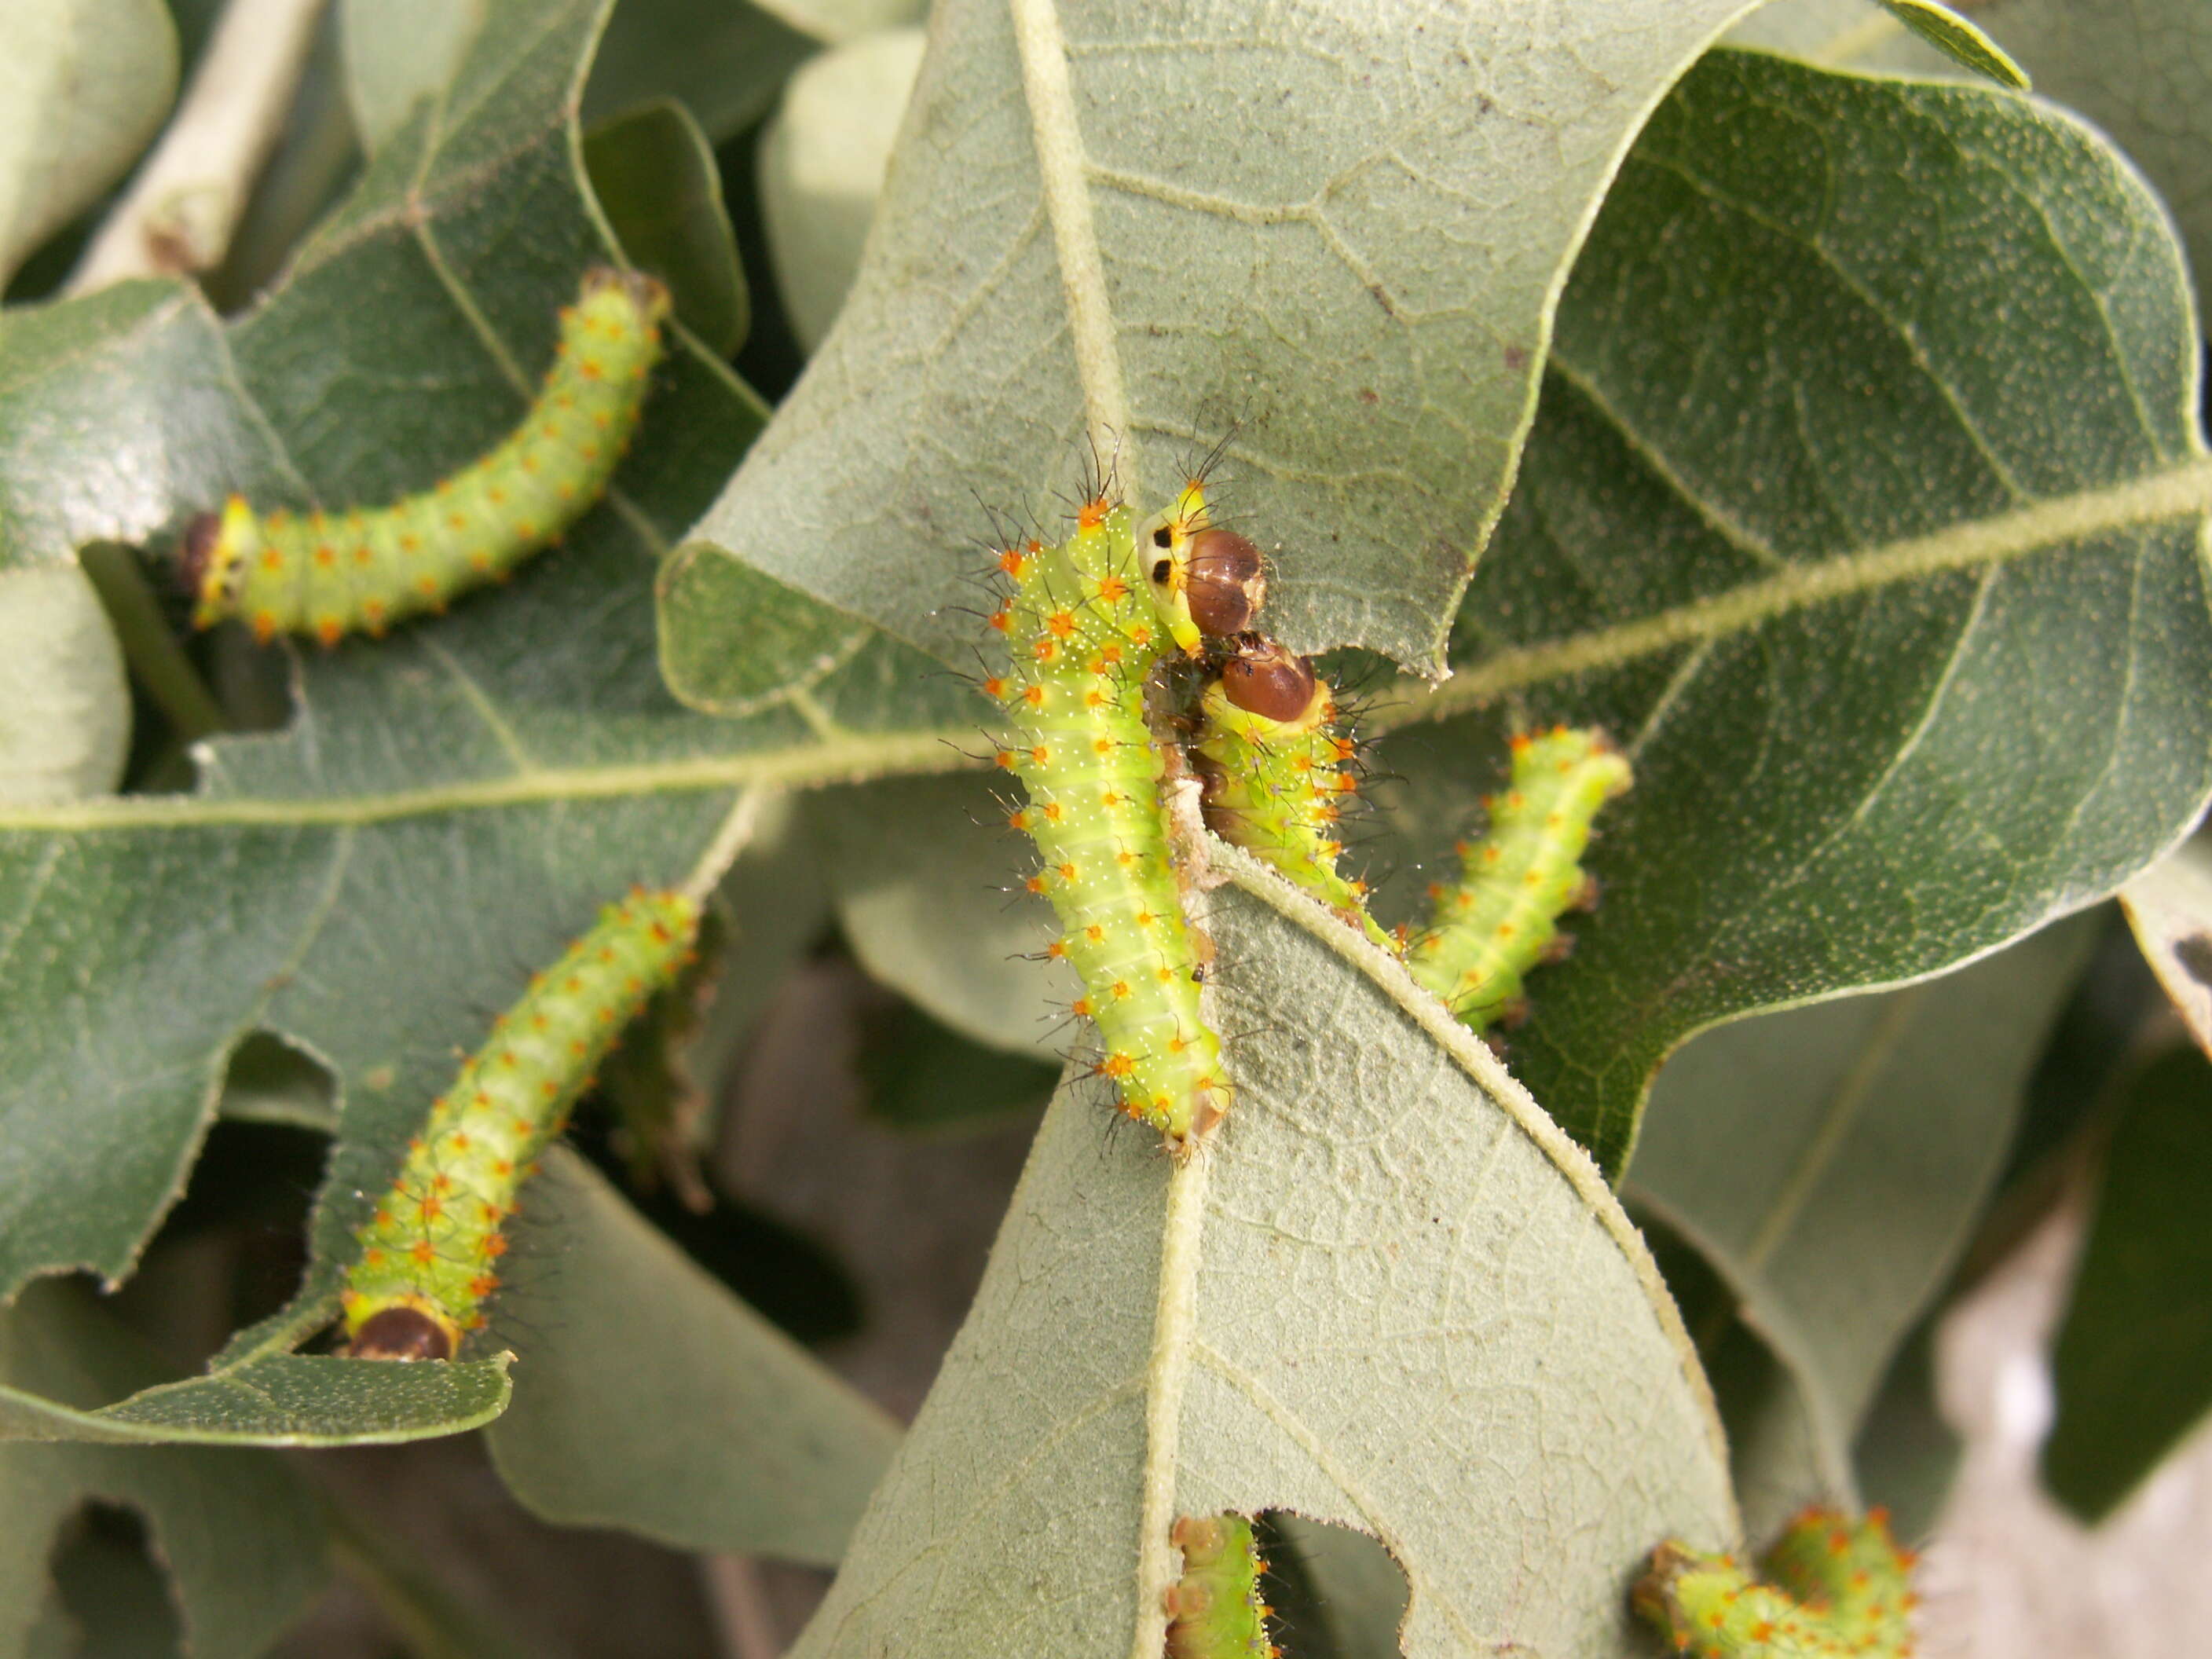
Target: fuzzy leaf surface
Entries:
(2142, 70)
(1345, 227)
(1392, 1296)
(1871, 401)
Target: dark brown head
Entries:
(195, 553)
(401, 1333)
(1269, 680)
(1224, 582)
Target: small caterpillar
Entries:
(428, 1252)
(1519, 878)
(1836, 1588)
(1275, 768)
(334, 573)
(1214, 1610)
(1275, 771)
(1083, 623)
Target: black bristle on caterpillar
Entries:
(1082, 624)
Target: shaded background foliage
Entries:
(1856, 484)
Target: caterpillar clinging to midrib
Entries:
(429, 1253)
(1083, 624)
(1277, 771)
(333, 574)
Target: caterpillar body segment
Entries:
(1276, 767)
(1516, 880)
(333, 574)
(1083, 632)
(1834, 1589)
(1853, 1569)
(1215, 1610)
(430, 1251)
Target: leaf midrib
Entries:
(1176, 1341)
(2176, 492)
(846, 759)
(1063, 179)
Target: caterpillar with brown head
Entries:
(1277, 769)
(1519, 877)
(1275, 761)
(430, 1251)
(1834, 1589)
(1215, 1610)
(359, 571)
(1083, 622)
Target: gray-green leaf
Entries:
(449, 806)
(1143, 224)
(238, 1533)
(627, 1350)
(1391, 1295)
(1866, 510)
(1832, 1160)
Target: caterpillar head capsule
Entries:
(1270, 680)
(648, 296)
(211, 558)
(1209, 582)
(1224, 582)
(404, 1331)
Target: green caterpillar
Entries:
(1083, 623)
(1215, 1610)
(334, 573)
(1275, 768)
(1835, 1588)
(1519, 878)
(427, 1253)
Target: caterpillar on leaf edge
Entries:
(1519, 877)
(1215, 1610)
(429, 1250)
